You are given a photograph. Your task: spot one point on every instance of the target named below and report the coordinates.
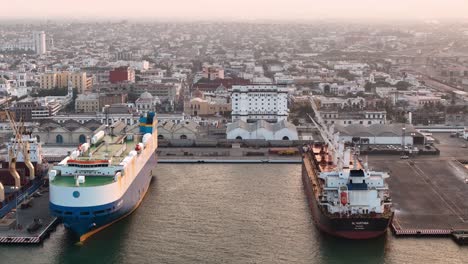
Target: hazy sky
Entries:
(236, 9)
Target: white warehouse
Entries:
(261, 129)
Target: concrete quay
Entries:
(429, 194)
(223, 155)
(14, 226)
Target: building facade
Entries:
(201, 107)
(70, 132)
(213, 72)
(259, 102)
(87, 103)
(164, 91)
(81, 82)
(32, 108)
(78, 80)
(262, 130)
(146, 102)
(183, 130)
(113, 114)
(122, 74)
(39, 40)
(361, 117)
(112, 98)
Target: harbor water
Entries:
(228, 213)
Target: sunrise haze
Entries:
(240, 9)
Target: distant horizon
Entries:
(233, 20)
(239, 10)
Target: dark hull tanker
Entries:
(333, 218)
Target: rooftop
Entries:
(376, 130)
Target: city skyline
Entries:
(241, 10)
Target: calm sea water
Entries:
(227, 214)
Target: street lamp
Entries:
(403, 140)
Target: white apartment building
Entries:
(259, 102)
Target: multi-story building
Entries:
(200, 107)
(112, 98)
(21, 80)
(418, 101)
(259, 102)
(52, 80)
(48, 80)
(324, 102)
(213, 72)
(146, 102)
(87, 103)
(164, 91)
(39, 39)
(79, 80)
(32, 108)
(213, 85)
(122, 74)
(362, 117)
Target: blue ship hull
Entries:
(85, 221)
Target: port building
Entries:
(380, 134)
(262, 129)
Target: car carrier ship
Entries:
(105, 179)
(346, 198)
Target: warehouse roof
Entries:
(376, 130)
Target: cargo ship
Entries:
(105, 179)
(346, 199)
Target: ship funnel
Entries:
(2, 193)
(12, 168)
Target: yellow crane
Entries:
(12, 154)
(19, 145)
(25, 149)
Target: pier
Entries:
(231, 160)
(14, 226)
(430, 194)
(225, 155)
